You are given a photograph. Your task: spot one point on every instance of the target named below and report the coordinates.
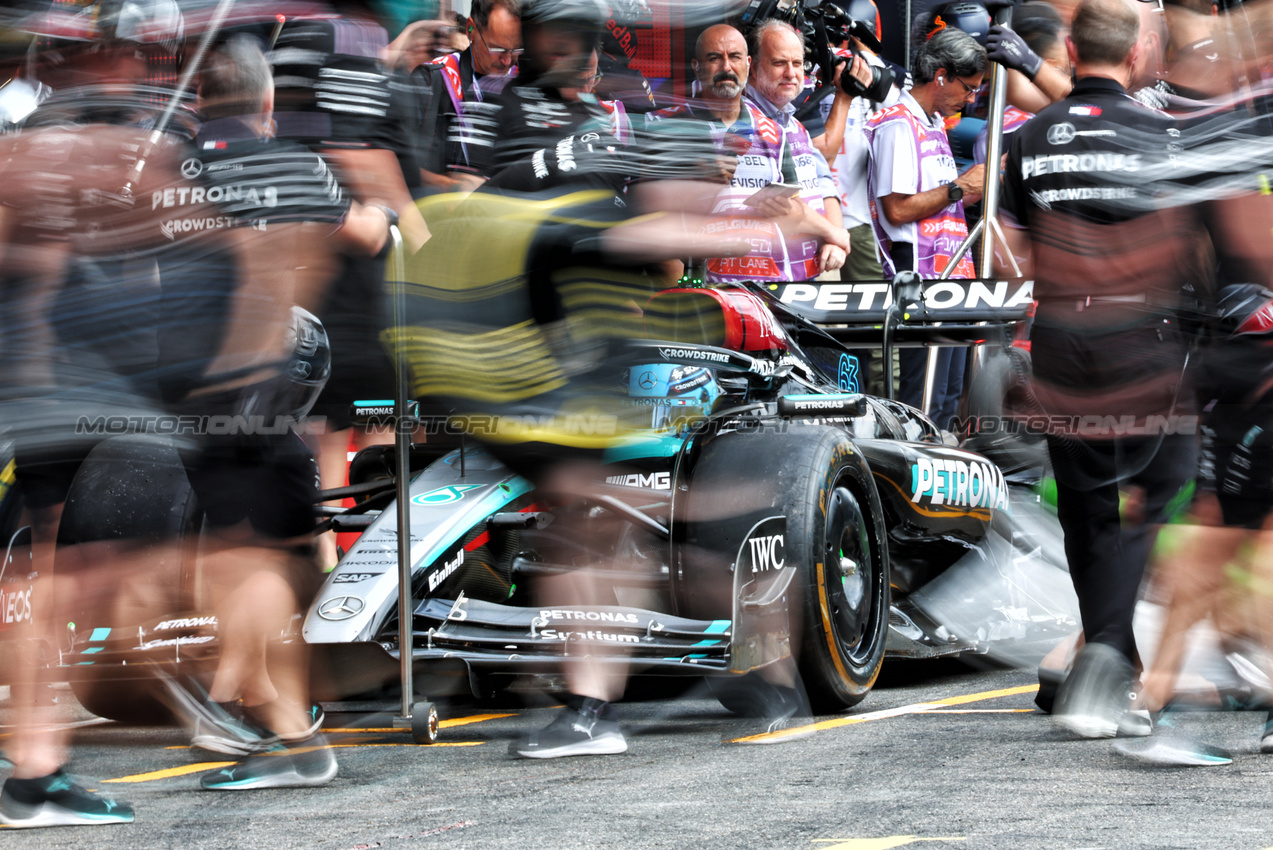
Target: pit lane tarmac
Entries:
(939, 755)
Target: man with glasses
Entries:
(450, 83)
(918, 195)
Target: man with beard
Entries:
(805, 240)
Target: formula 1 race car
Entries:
(771, 511)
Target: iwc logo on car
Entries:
(765, 548)
(340, 608)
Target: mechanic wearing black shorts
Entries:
(238, 357)
(1109, 264)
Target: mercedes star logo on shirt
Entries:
(1061, 134)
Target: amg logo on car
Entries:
(185, 623)
(441, 575)
(653, 481)
(693, 354)
(958, 483)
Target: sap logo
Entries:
(652, 481)
(767, 552)
(353, 578)
(186, 623)
(439, 576)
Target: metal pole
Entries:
(402, 443)
(990, 200)
(994, 146)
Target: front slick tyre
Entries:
(835, 537)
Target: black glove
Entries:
(1010, 50)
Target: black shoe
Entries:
(585, 727)
(57, 800)
(1094, 697)
(304, 765)
(1050, 680)
(1266, 737)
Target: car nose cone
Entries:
(340, 608)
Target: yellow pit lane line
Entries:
(167, 773)
(914, 708)
(442, 724)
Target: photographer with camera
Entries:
(919, 195)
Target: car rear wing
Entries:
(951, 311)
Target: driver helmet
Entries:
(971, 18)
(1245, 310)
(867, 13)
(309, 365)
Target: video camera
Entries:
(824, 24)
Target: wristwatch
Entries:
(954, 192)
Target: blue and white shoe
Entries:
(57, 800)
(305, 765)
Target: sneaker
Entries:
(57, 800)
(584, 728)
(218, 727)
(315, 716)
(1174, 751)
(1136, 723)
(1266, 737)
(1049, 681)
(307, 764)
(781, 714)
(1093, 698)
(1171, 747)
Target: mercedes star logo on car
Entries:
(340, 608)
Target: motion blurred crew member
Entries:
(1108, 263)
